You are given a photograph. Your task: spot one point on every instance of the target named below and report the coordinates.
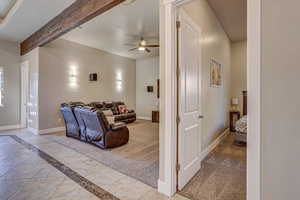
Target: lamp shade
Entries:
(235, 101)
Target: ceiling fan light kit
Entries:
(143, 46)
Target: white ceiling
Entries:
(233, 16)
(29, 17)
(123, 24)
(5, 6)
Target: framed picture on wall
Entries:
(215, 74)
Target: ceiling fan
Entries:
(143, 46)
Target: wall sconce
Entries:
(119, 85)
(73, 77)
(119, 82)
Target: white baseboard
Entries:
(213, 145)
(10, 127)
(144, 118)
(52, 130)
(162, 188)
(33, 130)
(46, 131)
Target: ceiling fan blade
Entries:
(153, 45)
(129, 44)
(133, 49)
(148, 50)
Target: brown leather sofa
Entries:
(113, 106)
(90, 125)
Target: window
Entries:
(1, 86)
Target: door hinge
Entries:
(178, 167)
(178, 119)
(178, 24)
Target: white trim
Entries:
(213, 145)
(186, 17)
(33, 130)
(10, 127)
(144, 118)
(254, 100)
(52, 130)
(1, 86)
(168, 108)
(24, 69)
(163, 187)
(168, 101)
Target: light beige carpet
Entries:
(223, 174)
(139, 158)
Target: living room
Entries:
(110, 65)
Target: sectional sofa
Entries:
(90, 125)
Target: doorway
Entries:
(213, 144)
(24, 93)
(168, 149)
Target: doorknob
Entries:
(200, 116)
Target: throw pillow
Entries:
(123, 109)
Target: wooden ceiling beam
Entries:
(75, 15)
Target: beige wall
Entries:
(280, 100)
(33, 105)
(64, 76)
(238, 71)
(147, 73)
(10, 61)
(216, 45)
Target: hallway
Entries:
(222, 176)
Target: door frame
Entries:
(24, 94)
(168, 103)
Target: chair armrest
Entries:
(117, 125)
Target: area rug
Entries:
(138, 159)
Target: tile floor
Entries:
(37, 168)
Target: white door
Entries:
(189, 100)
(24, 93)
